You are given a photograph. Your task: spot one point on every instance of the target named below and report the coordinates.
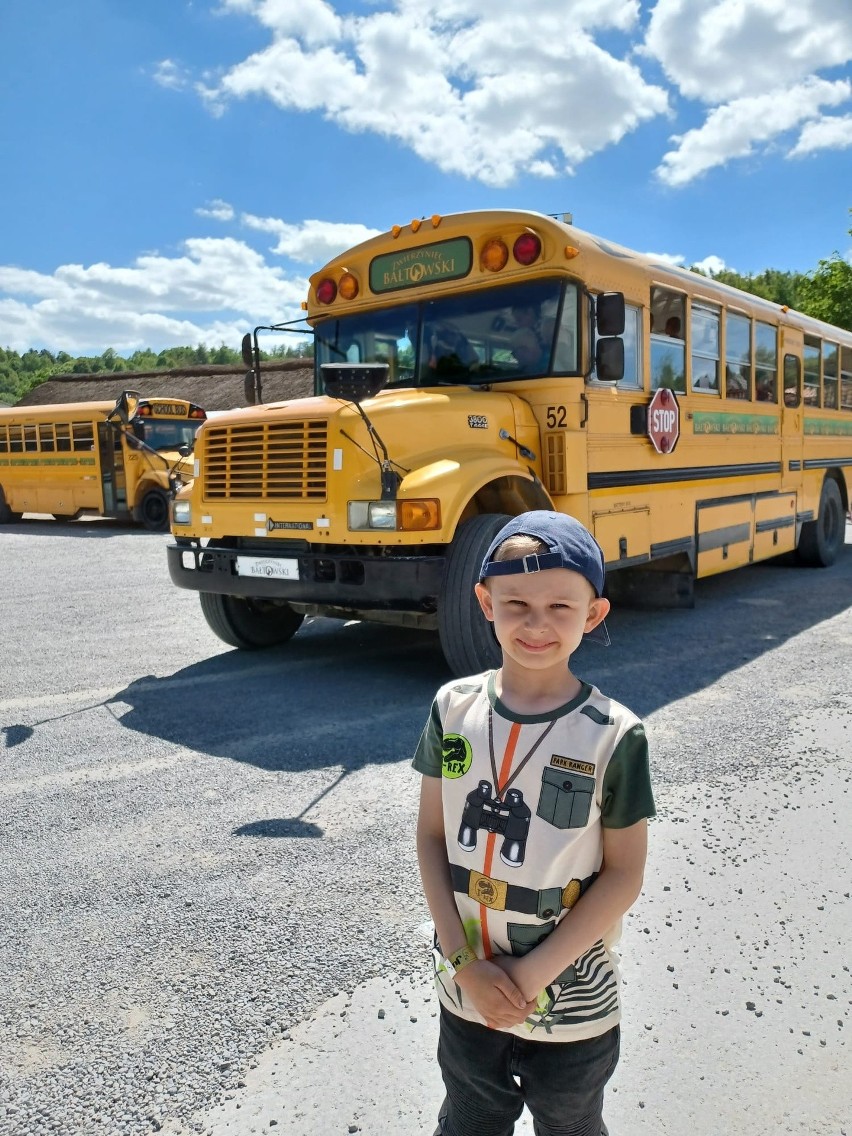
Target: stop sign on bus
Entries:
(663, 421)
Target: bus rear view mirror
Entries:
(609, 313)
(125, 407)
(354, 382)
(247, 352)
(609, 359)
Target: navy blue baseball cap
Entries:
(571, 546)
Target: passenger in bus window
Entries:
(527, 350)
(673, 327)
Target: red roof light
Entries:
(527, 248)
(326, 291)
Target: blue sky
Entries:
(174, 170)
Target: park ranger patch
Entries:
(573, 765)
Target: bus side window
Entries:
(668, 347)
(812, 357)
(30, 439)
(4, 440)
(47, 441)
(632, 347)
(737, 356)
(829, 376)
(83, 436)
(846, 378)
(765, 362)
(792, 381)
(63, 436)
(705, 349)
(16, 440)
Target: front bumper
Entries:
(347, 579)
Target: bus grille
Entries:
(267, 460)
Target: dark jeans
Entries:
(561, 1083)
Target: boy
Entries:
(531, 840)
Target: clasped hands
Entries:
(489, 984)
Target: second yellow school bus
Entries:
(117, 460)
(486, 363)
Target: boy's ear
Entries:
(485, 601)
(598, 611)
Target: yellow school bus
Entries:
(121, 460)
(478, 365)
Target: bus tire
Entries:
(154, 511)
(7, 516)
(820, 541)
(466, 636)
(250, 624)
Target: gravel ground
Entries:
(202, 847)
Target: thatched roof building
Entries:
(211, 387)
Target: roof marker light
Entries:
(571, 251)
(326, 291)
(527, 248)
(436, 220)
(415, 224)
(494, 256)
(395, 231)
(347, 286)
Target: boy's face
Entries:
(540, 617)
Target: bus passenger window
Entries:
(705, 349)
(846, 378)
(765, 362)
(812, 356)
(4, 440)
(63, 436)
(829, 376)
(668, 350)
(737, 356)
(83, 436)
(47, 442)
(30, 439)
(632, 341)
(16, 439)
(792, 381)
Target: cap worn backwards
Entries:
(571, 546)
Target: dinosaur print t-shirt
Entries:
(526, 798)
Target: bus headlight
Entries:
(408, 515)
(181, 513)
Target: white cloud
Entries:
(311, 242)
(216, 210)
(212, 293)
(833, 132)
(756, 63)
(728, 49)
(485, 90)
(171, 75)
(710, 264)
(738, 128)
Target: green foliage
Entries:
(826, 293)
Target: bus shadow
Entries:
(89, 527)
(357, 695)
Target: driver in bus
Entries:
(527, 350)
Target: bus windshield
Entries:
(168, 434)
(499, 334)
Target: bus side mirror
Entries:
(609, 313)
(125, 407)
(609, 359)
(247, 352)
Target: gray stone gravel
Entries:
(200, 847)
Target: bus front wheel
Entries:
(821, 540)
(250, 624)
(466, 636)
(154, 511)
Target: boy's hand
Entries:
(494, 994)
(517, 973)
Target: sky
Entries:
(174, 170)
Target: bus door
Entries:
(108, 437)
(792, 409)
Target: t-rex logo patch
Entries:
(456, 756)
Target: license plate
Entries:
(267, 569)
